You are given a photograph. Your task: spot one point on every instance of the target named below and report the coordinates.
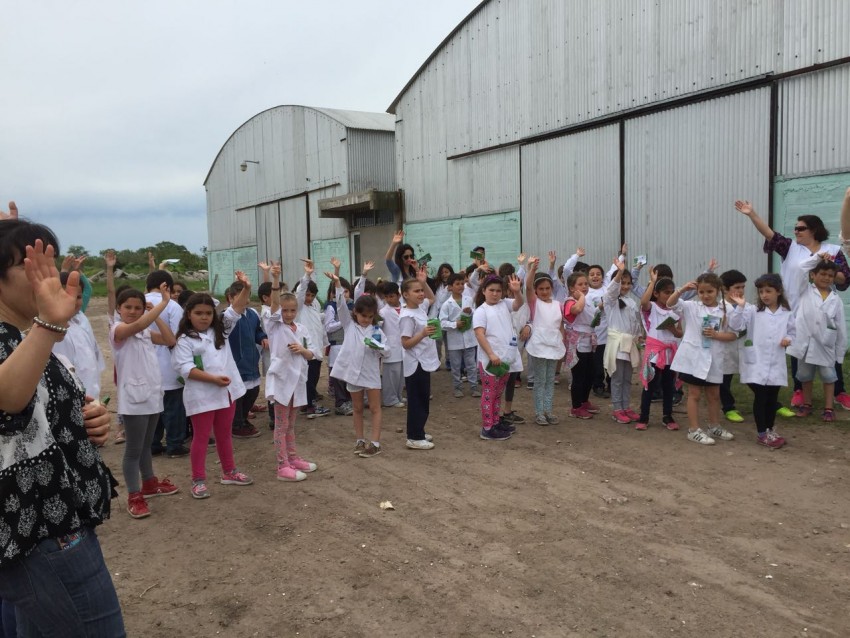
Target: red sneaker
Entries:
(620, 416)
(797, 399)
(580, 413)
(154, 487)
(587, 405)
(137, 506)
(248, 432)
(258, 408)
(641, 426)
(843, 400)
(634, 416)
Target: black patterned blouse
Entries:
(52, 479)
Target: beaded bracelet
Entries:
(49, 326)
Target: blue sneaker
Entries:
(495, 434)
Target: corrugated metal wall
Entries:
(325, 227)
(293, 237)
(518, 68)
(684, 169)
(299, 150)
(571, 195)
(814, 122)
(483, 184)
(371, 160)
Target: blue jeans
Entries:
(63, 592)
(172, 422)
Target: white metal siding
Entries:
(684, 170)
(325, 227)
(814, 123)
(293, 237)
(571, 195)
(485, 183)
(519, 68)
(268, 232)
(371, 160)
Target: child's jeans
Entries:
(621, 384)
(544, 383)
(465, 358)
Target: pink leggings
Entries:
(284, 433)
(218, 422)
(492, 388)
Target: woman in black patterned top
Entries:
(54, 487)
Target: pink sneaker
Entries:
(235, 477)
(797, 399)
(580, 413)
(641, 426)
(300, 464)
(843, 400)
(587, 405)
(620, 416)
(670, 424)
(287, 473)
(634, 416)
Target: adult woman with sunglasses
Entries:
(54, 487)
(810, 237)
(401, 260)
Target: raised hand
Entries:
(78, 261)
(621, 265)
(12, 214)
(533, 263)
(737, 299)
(653, 275)
(398, 237)
(110, 259)
(242, 277)
(151, 260)
(67, 263)
(514, 284)
(520, 258)
(336, 263)
(624, 249)
(744, 207)
(309, 267)
(553, 257)
(712, 264)
(163, 290)
(265, 266)
(274, 270)
(580, 252)
(55, 304)
(367, 266)
(422, 274)
(333, 276)
(691, 285)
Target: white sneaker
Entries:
(429, 438)
(419, 445)
(698, 436)
(722, 433)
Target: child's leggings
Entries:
(666, 378)
(621, 385)
(491, 397)
(544, 383)
(284, 433)
(138, 430)
(219, 422)
(418, 386)
(582, 378)
(764, 405)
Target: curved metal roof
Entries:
(391, 107)
(349, 119)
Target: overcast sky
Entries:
(113, 112)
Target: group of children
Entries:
(382, 340)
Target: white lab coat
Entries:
(691, 357)
(762, 359)
(821, 332)
(286, 379)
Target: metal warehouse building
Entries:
(547, 124)
(295, 181)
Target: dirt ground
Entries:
(586, 528)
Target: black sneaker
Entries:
(512, 417)
(177, 452)
(157, 451)
(505, 425)
(494, 434)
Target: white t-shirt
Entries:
(423, 353)
(498, 330)
(172, 315)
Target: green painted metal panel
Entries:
(321, 253)
(452, 240)
(819, 195)
(224, 263)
